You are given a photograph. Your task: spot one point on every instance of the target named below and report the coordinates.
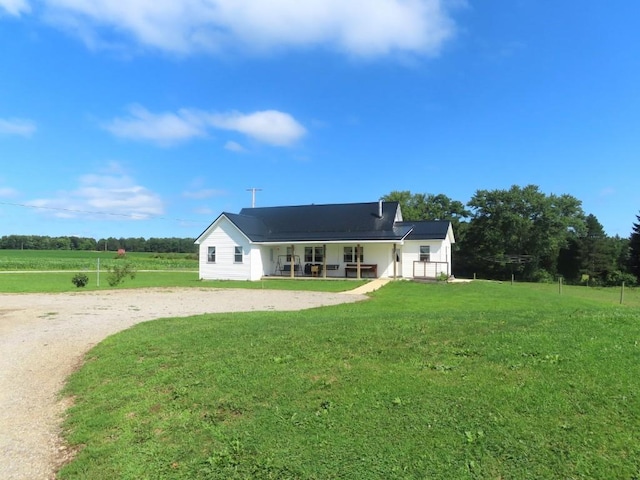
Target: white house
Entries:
(361, 240)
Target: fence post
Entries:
(560, 285)
(622, 294)
(512, 279)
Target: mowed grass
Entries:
(423, 381)
(58, 282)
(51, 271)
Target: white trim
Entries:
(211, 227)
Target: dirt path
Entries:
(44, 336)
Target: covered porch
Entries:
(332, 260)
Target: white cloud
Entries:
(197, 190)
(8, 192)
(17, 126)
(100, 196)
(15, 7)
(163, 128)
(203, 193)
(271, 127)
(204, 211)
(234, 147)
(357, 27)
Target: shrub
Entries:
(616, 278)
(542, 276)
(80, 280)
(118, 273)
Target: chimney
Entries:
(379, 208)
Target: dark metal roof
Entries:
(251, 226)
(428, 230)
(332, 222)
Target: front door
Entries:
(398, 260)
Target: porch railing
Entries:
(423, 269)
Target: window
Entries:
(350, 255)
(211, 255)
(238, 255)
(425, 253)
(289, 253)
(314, 254)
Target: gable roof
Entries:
(328, 223)
(331, 222)
(430, 230)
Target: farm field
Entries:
(30, 271)
(19, 260)
(439, 381)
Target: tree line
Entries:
(520, 231)
(529, 234)
(139, 244)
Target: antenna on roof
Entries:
(253, 191)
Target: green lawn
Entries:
(56, 282)
(23, 271)
(424, 381)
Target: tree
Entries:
(634, 250)
(117, 273)
(596, 258)
(569, 259)
(426, 206)
(521, 223)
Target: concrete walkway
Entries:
(368, 287)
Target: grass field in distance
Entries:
(20, 260)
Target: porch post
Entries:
(395, 264)
(324, 261)
(358, 276)
(293, 261)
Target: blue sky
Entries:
(150, 117)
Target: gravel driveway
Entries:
(43, 337)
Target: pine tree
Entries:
(634, 249)
(595, 258)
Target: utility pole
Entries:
(253, 191)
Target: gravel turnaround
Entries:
(43, 338)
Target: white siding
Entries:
(225, 237)
(440, 258)
(380, 254)
(259, 261)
